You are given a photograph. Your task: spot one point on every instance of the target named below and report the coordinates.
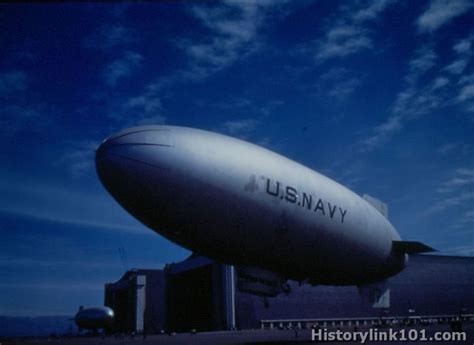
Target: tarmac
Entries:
(248, 337)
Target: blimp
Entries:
(244, 205)
(94, 318)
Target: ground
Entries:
(234, 337)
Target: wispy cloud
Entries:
(246, 129)
(20, 113)
(427, 90)
(121, 68)
(414, 102)
(146, 109)
(342, 41)
(457, 67)
(462, 178)
(246, 116)
(465, 221)
(350, 176)
(372, 11)
(64, 205)
(381, 133)
(466, 93)
(79, 157)
(451, 201)
(465, 250)
(408, 106)
(457, 191)
(338, 82)
(232, 34)
(143, 109)
(463, 46)
(349, 32)
(233, 27)
(441, 12)
(240, 126)
(422, 62)
(446, 148)
(111, 36)
(440, 82)
(55, 286)
(91, 263)
(12, 81)
(15, 117)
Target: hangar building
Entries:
(201, 294)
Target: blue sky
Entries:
(378, 95)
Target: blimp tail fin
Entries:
(377, 204)
(411, 247)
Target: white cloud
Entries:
(425, 59)
(62, 204)
(419, 99)
(111, 36)
(344, 88)
(338, 82)
(466, 250)
(465, 171)
(23, 118)
(241, 126)
(233, 33)
(146, 108)
(467, 79)
(92, 263)
(371, 12)
(143, 109)
(457, 67)
(12, 81)
(55, 286)
(147, 104)
(456, 191)
(441, 12)
(349, 33)
(235, 102)
(381, 133)
(426, 89)
(80, 157)
(233, 29)
(463, 46)
(466, 93)
(448, 202)
(19, 113)
(121, 68)
(342, 41)
(412, 103)
(455, 183)
(150, 120)
(447, 148)
(440, 82)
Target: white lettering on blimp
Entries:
(291, 195)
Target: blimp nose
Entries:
(130, 139)
(145, 145)
(131, 164)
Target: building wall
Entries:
(432, 285)
(195, 294)
(156, 302)
(190, 300)
(139, 301)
